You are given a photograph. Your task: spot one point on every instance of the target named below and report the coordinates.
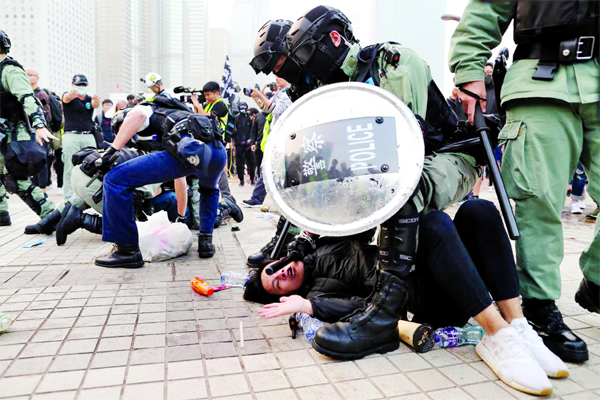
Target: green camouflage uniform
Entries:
(16, 82)
(550, 126)
(447, 177)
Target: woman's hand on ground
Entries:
(287, 305)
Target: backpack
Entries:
(56, 120)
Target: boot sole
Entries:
(584, 302)
(138, 264)
(489, 361)
(384, 348)
(206, 255)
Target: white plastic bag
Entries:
(161, 240)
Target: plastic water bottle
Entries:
(453, 336)
(5, 322)
(309, 325)
(234, 279)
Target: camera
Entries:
(248, 91)
(188, 98)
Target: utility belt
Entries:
(553, 53)
(79, 132)
(187, 138)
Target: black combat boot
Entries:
(228, 207)
(122, 256)
(588, 295)
(4, 218)
(45, 225)
(373, 329)
(256, 259)
(205, 247)
(547, 320)
(73, 219)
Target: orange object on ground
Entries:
(201, 287)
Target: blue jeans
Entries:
(119, 222)
(166, 201)
(578, 182)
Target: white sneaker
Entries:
(550, 362)
(510, 360)
(581, 204)
(60, 191)
(575, 209)
(490, 188)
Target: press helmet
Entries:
(309, 29)
(269, 45)
(4, 42)
(152, 79)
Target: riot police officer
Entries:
(551, 98)
(154, 82)
(21, 116)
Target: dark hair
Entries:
(211, 86)
(255, 291)
(130, 96)
(489, 63)
(105, 101)
(253, 110)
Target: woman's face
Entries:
(285, 281)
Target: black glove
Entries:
(180, 218)
(303, 245)
(107, 160)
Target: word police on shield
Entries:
(344, 158)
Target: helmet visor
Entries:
(304, 53)
(264, 61)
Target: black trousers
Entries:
(460, 264)
(244, 156)
(59, 167)
(258, 157)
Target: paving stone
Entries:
(86, 333)
(55, 396)
(8, 338)
(218, 350)
(183, 353)
(79, 346)
(185, 369)
(112, 344)
(142, 342)
(148, 356)
(227, 385)
(71, 362)
(94, 320)
(49, 335)
(29, 366)
(449, 394)
(376, 366)
(260, 362)
(268, 380)
(342, 371)
(358, 389)
(9, 352)
(151, 328)
(110, 359)
(182, 338)
(216, 336)
(254, 347)
(146, 373)
(118, 330)
(463, 374)
(104, 377)
(56, 381)
(488, 390)
(56, 323)
(322, 392)
(152, 317)
(181, 326)
(146, 391)
(394, 385)
(40, 349)
(222, 366)
(290, 359)
(187, 389)
(109, 393)
(18, 386)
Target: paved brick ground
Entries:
(84, 332)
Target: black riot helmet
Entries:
(4, 42)
(307, 47)
(269, 45)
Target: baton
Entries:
(507, 213)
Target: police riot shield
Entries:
(343, 159)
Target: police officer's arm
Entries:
(181, 195)
(134, 121)
(479, 31)
(15, 81)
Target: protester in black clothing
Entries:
(256, 135)
(242, 141)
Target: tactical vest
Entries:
(10, 107)
(440, 120)
(555, 20)
(222, 120)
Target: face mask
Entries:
(488, 79)
(289, 70)
(82, 90)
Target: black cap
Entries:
(106, 101)
(130, 96)
(80, 79)
(4, 42)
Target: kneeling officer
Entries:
(194, 147)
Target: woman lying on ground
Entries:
(459, 264)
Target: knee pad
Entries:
(27, 196)
(10, 183)
(398, 241)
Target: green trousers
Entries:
(37, 194)
(72, 143)
(545, 140)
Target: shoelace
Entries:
(528, 334)
(507, 347)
